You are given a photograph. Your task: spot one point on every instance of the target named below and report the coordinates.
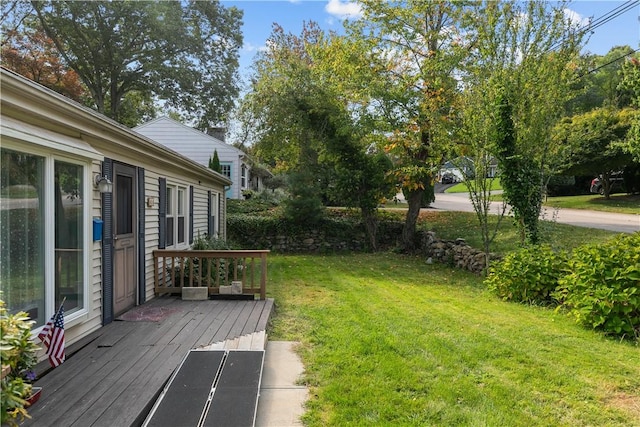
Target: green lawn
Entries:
(389, 340)
(621, 203)
(452, 225)
(462, 188)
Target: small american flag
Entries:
(52, 336)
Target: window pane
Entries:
(169, 231)
(69, 236)
(124, 204)
(180, 201)
(181, 229)
(169, 201)
(22, 233)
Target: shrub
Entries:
(602, 288)
(18, 356)
(529, 275)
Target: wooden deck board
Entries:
(117, 374)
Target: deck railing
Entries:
(175, 269)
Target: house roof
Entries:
(35, 104)
(191, 130)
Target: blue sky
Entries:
(259, 15)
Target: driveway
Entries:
(623, 223)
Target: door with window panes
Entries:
(124, 239)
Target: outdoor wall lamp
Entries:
(103, 184)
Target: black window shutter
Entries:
(191, 214)
(209, 215)
(107, 247)
(162, 213)
(142, 282)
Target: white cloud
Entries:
(344, 9)
(575, 19)
(250, 47)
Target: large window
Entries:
(69, 235)
(177, 226)
(42, 234)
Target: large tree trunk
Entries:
(371, 226)
(414, 199)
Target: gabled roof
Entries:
(188, 129)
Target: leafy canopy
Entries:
(184, 54)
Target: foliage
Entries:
(308, 130)
(214, 162)
(593, 142)
(33, 55)
(518, 174)
(519, 51)
(389, 340)
(183, 53)
(631, 82)
(602, 287)
(304, 206)
(529, 275)
(18, 352)
(413, 51)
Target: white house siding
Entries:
(197, 146)
(200, 205)
(152, 229)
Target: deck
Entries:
(115, 375)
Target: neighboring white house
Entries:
(455, 170)
(84, 202)
(199, 147)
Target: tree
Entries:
(599, 81)
(631, 82)
(214, 162)
(478, 141)
(183, 53)
(593, 143)
(526, 53)
(414, 50)
(33, 55)
(307, 126)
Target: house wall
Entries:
(60, 128)
(197, 146)
(153, 172)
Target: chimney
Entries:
(217, 132)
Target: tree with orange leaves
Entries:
(33, 55)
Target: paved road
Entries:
(624, 223)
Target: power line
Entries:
(600, 21)
(608, 63)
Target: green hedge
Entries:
(602, 288)
(529, 275)
(598, 284)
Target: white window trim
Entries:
(215, 211)
(49, 231)
(175, 186)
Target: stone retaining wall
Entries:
(456, 253)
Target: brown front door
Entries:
(125, 236)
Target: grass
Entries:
(620, 203)
(462, 188)
(452, 225)
(388, 340)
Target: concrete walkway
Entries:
(281, 401)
